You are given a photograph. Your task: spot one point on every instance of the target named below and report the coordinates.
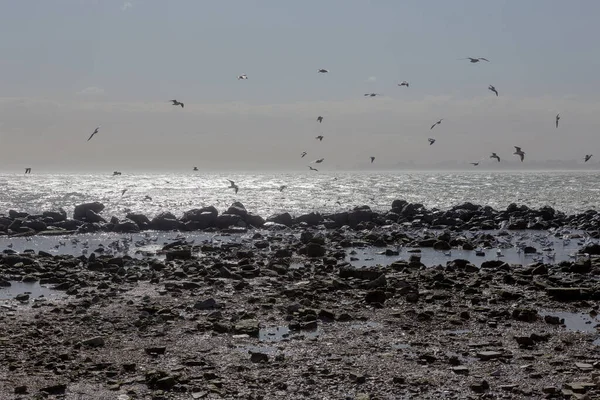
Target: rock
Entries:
(247, 326)
(55, 216)
(255, 220)
(553, 320)
(592, 249)
(567, 293)
(55, 389)
(237, 208)
(226, 220)
(488, 355)
(460, 370)
(140, 219)
(441, 245)
(22, 297)
(283, 219)
(311, 219)
(375, 297)
(525, 341)
(97, 341)
(93, 217)
(259, 357)
(204, 215)
(207, 304)
(315, 250)
(359, 215)
(165, 383)
(80, 212)
(166, 221)
(155, 350)
(540, 270)
(126, 227)
(492, 264)
(480, 387)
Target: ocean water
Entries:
(568, 191)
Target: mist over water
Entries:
(571, 192)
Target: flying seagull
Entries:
(195, 168)
(474, 163)
(27, 170)
(320, 137)
(148, 198)
(233, 185)
(557, 119)
(320, 119)
(282, 187)
(372, 159)
(123, 192)
(496, 156)
(303, 154)
(93, 133)
(313, 169)
(437, 123)
(403, 83)
(177, 103)
(475, 60)
(243, 76)
(319, 161)
(519, 153)
(431, 141)
(493, 89)
(372, 94)
(587, 157)
(322, 71)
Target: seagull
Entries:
(496, 156)
(519, 153)
(233, 185)
(195, 168)
(243, 76)
(475, 60)
(372, 94)
(93, 133)
(403, 83)
(319, 161)
(303, 154)
(557, 119)
(313, 169)
(320, 137)
(437, 123)
(587, 157)
(493, 89)
(177, 103)
(322, 71)
(431, 141)
(320, 119)
(123, 192)
(27, 170)
(148, 198)
(282, 187)
(474, 163)
(372, 159)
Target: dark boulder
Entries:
(140, 219)
(55, 216)
(92, 216)
(283, 219)
(166, 221)
(255, 220)
(80, 212)
(226, 220)
(237, 208)
(126, 227)
(358, 215)
(310, 219)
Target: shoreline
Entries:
(87, 218)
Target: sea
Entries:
(298, 192)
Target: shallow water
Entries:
(34, 289)
(568, 191)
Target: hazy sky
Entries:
(70, 65)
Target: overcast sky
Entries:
(68, 66)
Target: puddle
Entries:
(576, 322)
(279, 333)
(34, 289)
(562, 250)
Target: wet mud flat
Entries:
(290, 315)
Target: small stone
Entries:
(97, 341)
(207, 304)
(21, 389)
(259, 357)
(155, 350)
(480, 387)
(584, 366)
(460, 370)
(488, 355)
(22, 297)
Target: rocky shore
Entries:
(87, 218)
(283, 315)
